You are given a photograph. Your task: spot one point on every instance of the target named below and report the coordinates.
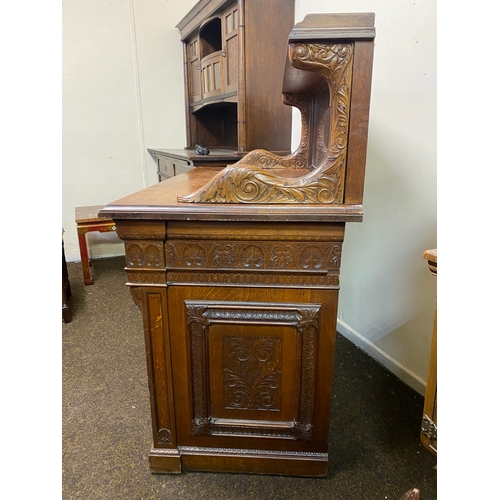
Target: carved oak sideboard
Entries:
(236, 271)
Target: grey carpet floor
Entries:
(374, 446)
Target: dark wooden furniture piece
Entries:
(234, 54)
(428, 432)
(66, 288)
(236, 271)
(88, 221)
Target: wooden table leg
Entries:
(84, 255)
(87, 221)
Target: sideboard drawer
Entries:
(181, 166)
(170, 167)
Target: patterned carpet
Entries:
(374, 446)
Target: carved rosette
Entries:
(164, 436)
(252, 257)
(194, 255)
(252, 366)
(144, 255)
(254, 179)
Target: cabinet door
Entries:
(230, 21)
(252, 367)
(194, 74)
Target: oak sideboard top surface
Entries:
(159, 202)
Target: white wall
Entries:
(388, 296)
(123, 93)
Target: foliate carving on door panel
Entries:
(252, 367)
(144, 255)
(251, 255)
(252, 373)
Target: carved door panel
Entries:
(252, 366)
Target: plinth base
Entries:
(175, 461)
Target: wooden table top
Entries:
(87, 214)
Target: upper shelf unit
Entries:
(234, 56)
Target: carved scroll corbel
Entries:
(255, 178)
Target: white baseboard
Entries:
(394, 366)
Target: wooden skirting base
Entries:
(168, 461)
(165, 461)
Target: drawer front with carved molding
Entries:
(260, 255)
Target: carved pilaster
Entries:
(158, 356)
(144, 254)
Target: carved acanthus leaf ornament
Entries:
(255, 178)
